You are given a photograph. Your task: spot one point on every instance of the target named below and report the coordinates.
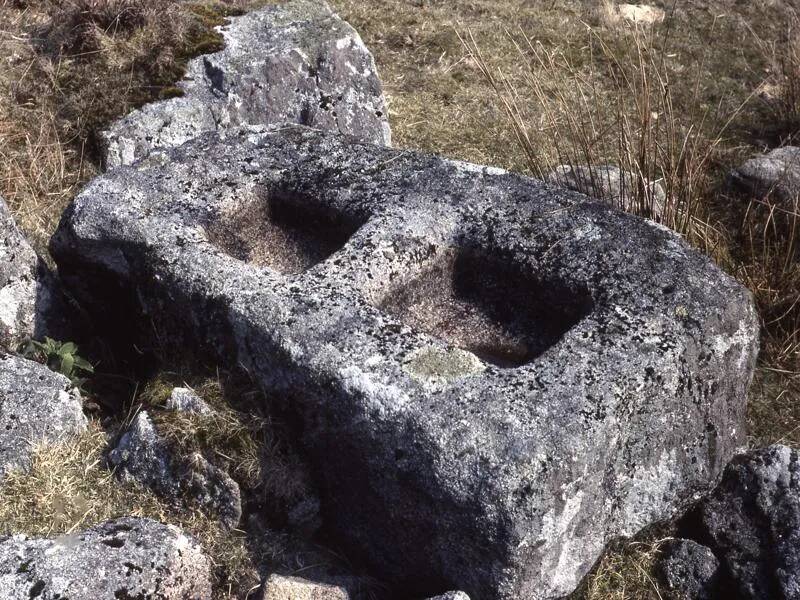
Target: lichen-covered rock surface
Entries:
(36, 406)
(29, 301)
(296, 62)
(122, 558)
(609, 361)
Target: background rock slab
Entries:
(776, 173)
(608, 361)
(296, 62)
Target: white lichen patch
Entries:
(431, 364)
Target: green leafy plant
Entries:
(61, 357)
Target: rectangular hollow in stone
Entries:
(279, 230)
(437, 468)
(487, 306)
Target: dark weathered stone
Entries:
(689, 570)
(752, 522)
(494, 376)
(30, 304)
(293, 63)
(119, 559)
(36, 406)
(142, 456)
(776, 173)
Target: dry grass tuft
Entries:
(69, 69)
(625, 573)
(241, 437)
(554, 113)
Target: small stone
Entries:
(142, 456)
(775, 174)
(641, 13)
(612, 185)
(186, 400)
(279, 587)
(123, 558)
(36, 406)
(211, 488)
(689, 569)
(451, 596)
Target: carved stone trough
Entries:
(493, 377)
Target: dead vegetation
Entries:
(69, 489)
(69, 68)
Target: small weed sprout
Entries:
(61, 357)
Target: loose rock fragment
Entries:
(30, 303)
(142, 456)
(614, 359)
(122, 558)
(293, 63)
(613, 185)
(36, 406)
(690, 570)
(186, 400)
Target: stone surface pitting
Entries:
(121, 558)
(296, 62)
(36, 406)
(614, 360)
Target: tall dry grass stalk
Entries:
(563, 113)
(781, 90)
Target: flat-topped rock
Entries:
(36, 406)
(121, 558)
(296, 62)
(494, 376)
